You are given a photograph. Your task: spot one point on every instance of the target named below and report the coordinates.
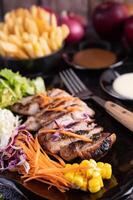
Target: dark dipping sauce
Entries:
(94, 58)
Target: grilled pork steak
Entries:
(84, 150)
(58, 115)
(55, 142)
(42, 116)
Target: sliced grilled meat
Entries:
(27, 106)
(32, 124)
(84, 150)
(57, 111)
(54, 142)
(77, 125)
(61, 110)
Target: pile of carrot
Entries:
(42, 167)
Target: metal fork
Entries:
(77, 88)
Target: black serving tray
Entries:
(120, 156)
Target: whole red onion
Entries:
(77, 31)
(81, 19)
(108, 19)
(128, 30)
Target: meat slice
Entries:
(54, 142)
(84, 150)
(27, 106)
(76, 126)
(60, 109)
(32, 124)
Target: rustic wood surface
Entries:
(79, 6)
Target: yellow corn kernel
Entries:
(108, 170)
(69, 176)
(103, 172)
(84, 186)
(85, 163)
(100, 164)
(75, 165)
(94, 185)
(101, 181)
(96, 174)
(93, 162)
(78, 180)
(89, 172)
(68, 165)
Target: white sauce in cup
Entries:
(123, 85)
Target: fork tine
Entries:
(77, 79)
(67, 82)
(76, 85)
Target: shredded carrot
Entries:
(47, 100)
(39, 161)
(68, 133)
(42, 167)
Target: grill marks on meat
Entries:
(55, 142)
(61, 111)
(84, 150)
(41, 116)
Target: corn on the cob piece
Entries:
(89, 175)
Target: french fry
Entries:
(21, 54)
(3, 36)
(31, 27)
(41, 26)
(65, 31)
(10, 25)
(59, 37)
(5, 29)
(37, 49)
(2, 52)
(17, 30)
(28, 47)
(45, 47)
(8, 47)
(25, 37)
(15, 40)
(34, 11)
(52, 44)
(30, 33)
(45, 35)
(1, 26)
(53, 20)
(11, 49)
(10, 15)
(44, 15)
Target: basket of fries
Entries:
(31, 40)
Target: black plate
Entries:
(117, 49)
(108, 77)
(120, 156)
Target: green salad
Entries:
(13, 87)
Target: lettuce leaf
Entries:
(13, 87)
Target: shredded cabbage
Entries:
(11, 155)
(8, 124)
